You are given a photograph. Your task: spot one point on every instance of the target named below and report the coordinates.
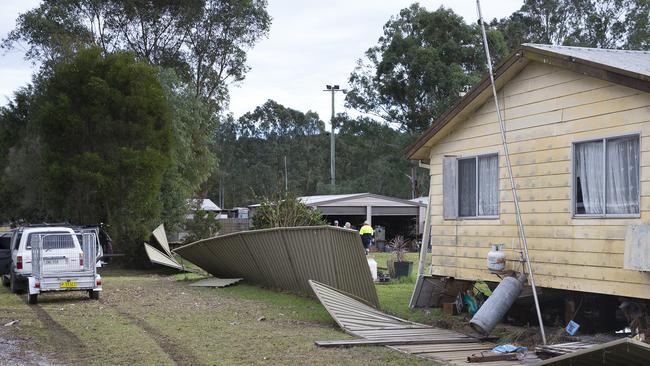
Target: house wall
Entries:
(546, 109)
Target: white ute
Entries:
(51, 258)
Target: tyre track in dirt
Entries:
(179, 354)
(61, 337)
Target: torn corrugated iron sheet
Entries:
(287, 258)
(377, 328)
(161, 237)
(621, 352)
(158, 257)
(215, 282)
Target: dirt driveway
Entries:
(151, 319)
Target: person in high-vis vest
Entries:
(366, 233)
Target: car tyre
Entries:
(32, 299)
(5, 280)
(13, 284)
(94, 295)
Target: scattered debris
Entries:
(261, 319)
(379, 329)
(491, 357)
(13, 322)
(287, 258)
(216, 282)
(564, 348)
(626, 351)
(158, 257)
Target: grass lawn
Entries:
(147, 318)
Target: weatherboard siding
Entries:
(546, 109)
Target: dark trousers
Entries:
(366, 239)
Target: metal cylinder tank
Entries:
(496, 306)
(496, 258)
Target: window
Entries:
(478, 186)
(606, 177)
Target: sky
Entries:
(311, 43)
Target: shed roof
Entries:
(348, 199)
(625, 67)
(624, 60)
(206, 204)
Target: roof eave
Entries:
(418, 150)
(415, 151)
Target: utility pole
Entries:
(333, 89)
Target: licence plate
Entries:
(68, 284)
(52, 261)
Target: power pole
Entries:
(333, 89)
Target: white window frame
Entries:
(574, 188)
(476, 157)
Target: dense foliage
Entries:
(253, 149)
(286, 211)
(419, 66)
(586, 23)
(205, 41)
(95, 145)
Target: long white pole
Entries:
(520, 225)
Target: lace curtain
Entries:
(488, 183)
(622, 196)
(621, 171)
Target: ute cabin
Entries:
(578, 131)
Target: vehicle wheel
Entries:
(5, 281)
(94, 295)
(32, 299)
(13, 284)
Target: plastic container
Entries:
(496, 258)
(372, 263)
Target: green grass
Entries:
(145, 318)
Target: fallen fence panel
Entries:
(287, 258)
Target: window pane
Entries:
(488, 185)
(623, 175)
(467, 187)
(589, 182)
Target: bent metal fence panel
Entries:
(287, 258)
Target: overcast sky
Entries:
(311, 43)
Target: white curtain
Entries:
(488, 183)
(467, 187)
(589, 174)
(622, 175)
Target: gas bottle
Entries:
(496, 258)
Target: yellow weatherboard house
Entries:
(578, 131)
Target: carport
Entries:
(396, 215)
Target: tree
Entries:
(253, 151)
(192, 159)
(205, 41)
(105, 127)
(586, 23)
(421, 64)
(285, 211)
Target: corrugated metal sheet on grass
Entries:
(287, 258)
(359, 319)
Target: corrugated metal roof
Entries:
(215, 282)
(358, 319)
(314, 200)
(633, 61)
(286, 258)
(206, 204)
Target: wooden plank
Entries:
(389, 342)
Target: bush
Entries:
(286, 212)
